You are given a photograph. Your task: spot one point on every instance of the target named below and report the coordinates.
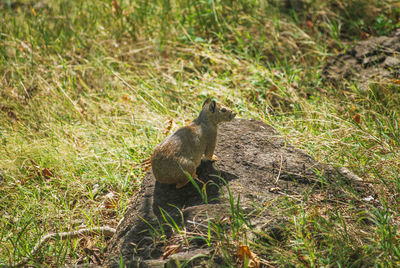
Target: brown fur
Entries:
(184, 149)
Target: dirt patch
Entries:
(255, 164)
(374, 60)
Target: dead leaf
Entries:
(319, 197)
(357, 118)
(245, 255)
(128, 98)
(47, 173)
(128, 12)
(168, 128)
(364, 35)
(33, 11)
(302, 259)
(272, 89)
(309, 24)
(396, 81)
(274, 189)
(116, 10)
(35, 170)
(169, 250)
(10, 112)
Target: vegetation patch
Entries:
(88, 88)
(233, 212)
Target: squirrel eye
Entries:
(223, 110)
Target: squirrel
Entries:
(184, 149)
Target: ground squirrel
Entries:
(184, 149)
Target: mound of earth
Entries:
(372, 60)
(254, 164)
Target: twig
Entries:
(107, 231)
(288, 195)
(197, 223)
(280, 169)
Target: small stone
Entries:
(368, 198)
(392, 62)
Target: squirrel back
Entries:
(184, 149)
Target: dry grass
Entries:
(87, 89)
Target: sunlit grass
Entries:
(87, 89)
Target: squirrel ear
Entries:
(206, 101)
(213, 106)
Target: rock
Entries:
(255, 164)
(374, 60)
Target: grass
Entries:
(88, 88)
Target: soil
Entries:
(254, 164)
(373, 60)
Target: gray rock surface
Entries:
(255, 163)
(373, 60)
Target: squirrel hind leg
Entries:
(181, 184)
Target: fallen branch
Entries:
(107, 231)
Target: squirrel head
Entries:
(215, 112)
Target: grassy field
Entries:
(88, 88)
